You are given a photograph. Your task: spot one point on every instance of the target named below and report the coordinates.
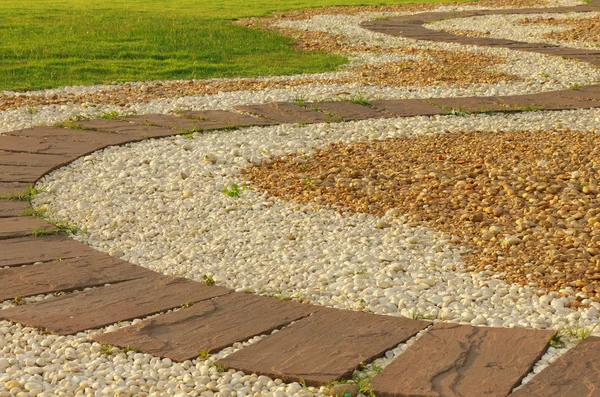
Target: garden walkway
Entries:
(317, 345)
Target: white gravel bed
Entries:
(508, 27)
(134, 204)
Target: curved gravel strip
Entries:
(512, 27)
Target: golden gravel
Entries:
(437, 68)
(526, 203)
(581, 29)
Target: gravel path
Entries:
(174, 208)
(574, 30)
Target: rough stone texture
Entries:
(99, 307)
(55, 134)
(21, 226)
(217, 119)
(576, 373)
(67, 275)
(346, 110)
(126, 127)
(408, 107)
(168, 121)
(40, 145)
(209, 325)
(34, 160)
(10, 188)
(547, 101)
(324, 347)
(461, 360)
(469, 105)
(27, 250)
(13, 208)
(283, 112)
(19, 173)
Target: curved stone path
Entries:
(317, 345)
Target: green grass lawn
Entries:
(53, 43)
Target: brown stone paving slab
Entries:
(54, 134)
(324, 347)
(408, 107)
(67, 275)
(284, 112)
(546, 101)
(346, 110)
(40, 145)
(27, 250)
(34, 160)
(590, 93)
(13, 208)
(102, 306)
(208, 325)
(168, 121)
(469, 104)
(21, 173)
(576, 373)
(21, 226)
(217, 119)
(140, 131)
(13, 188)
(461, 360)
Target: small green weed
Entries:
(208, 280)
(557, 341)
(575, 87)
(34, 212)
(39, 232)
(18, 300)
(300, 100)
(580, 333)
(234, 191)
(65, 227)
(544, 75)
(106, 348)
(186, 305)
(27, 195)
(203, 354)
(459, 111)
(307, 183)
(219, 367)
(111, 116)
(360, 100)
(128, 349)
(230, 127)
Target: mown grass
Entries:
(53, 43)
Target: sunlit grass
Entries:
(53, 43)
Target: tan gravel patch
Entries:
(526, 203)
(578, 29)
(437, 68)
